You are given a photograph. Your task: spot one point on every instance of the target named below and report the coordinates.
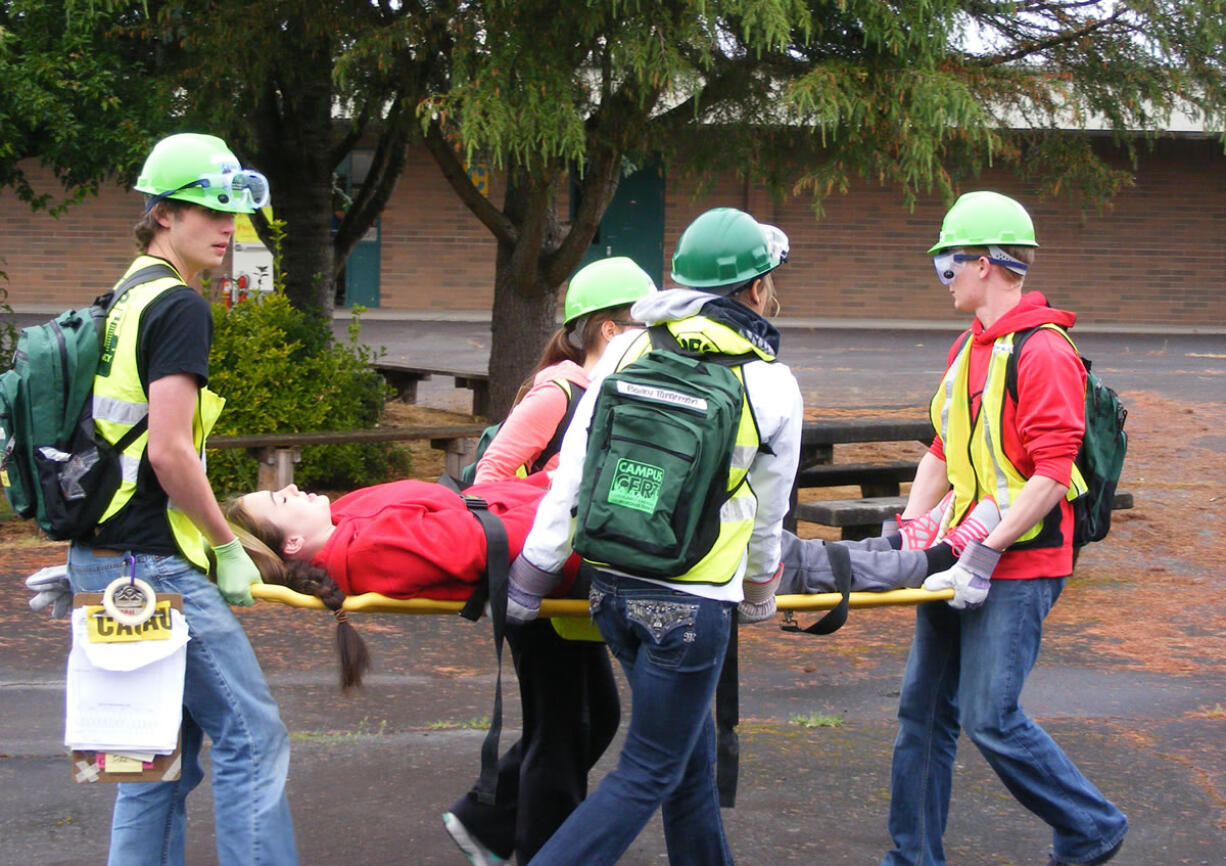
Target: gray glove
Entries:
(759, 603)
(970, 578)
(51, 590)
(527, 586)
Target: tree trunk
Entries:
(523, 319)
(306, 253)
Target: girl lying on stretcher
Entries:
(409, 539)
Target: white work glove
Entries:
(235, 573)
(51, 590)
(970, 578)
(526, 586)
(759, 603)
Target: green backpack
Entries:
(1103, 448)
(659, 448)
(53, 466)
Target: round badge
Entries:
(129, 601)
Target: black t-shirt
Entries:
(175, 333)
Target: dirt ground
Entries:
(1144, 597)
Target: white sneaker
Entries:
(477, 854)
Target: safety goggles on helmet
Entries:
(242, 188)
(945, 262)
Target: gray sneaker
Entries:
(477, 854)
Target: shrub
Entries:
(280, 371)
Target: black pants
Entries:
(571, 712)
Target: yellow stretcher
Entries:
(373, 602)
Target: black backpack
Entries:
(53, 465)
(1103, 448)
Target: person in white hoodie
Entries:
(670, 635)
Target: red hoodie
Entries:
(1043, 429)
(414, 538)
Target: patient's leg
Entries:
(875, 566)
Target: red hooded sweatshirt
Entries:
(414, 538)
(1043, 429)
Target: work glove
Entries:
(51, 590)
(235, 573)
(970, 578)
(527, 585)
(759, 603)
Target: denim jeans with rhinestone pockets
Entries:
(671, 645)
(224, 695)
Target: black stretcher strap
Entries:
(727, 717)
(493, 589)
(840, 565)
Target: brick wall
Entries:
(1156, 257)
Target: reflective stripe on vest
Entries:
(699, 334)
(120, 402)
(975, 458)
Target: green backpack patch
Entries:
(53, 465)
(657, 466)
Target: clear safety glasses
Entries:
(231, 188)
(949, 264)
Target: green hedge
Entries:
(280, 371)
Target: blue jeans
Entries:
(224, 696)
(671, 646)
(967, 669)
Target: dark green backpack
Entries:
(1103, 448)
(53, 466)
(656, 471)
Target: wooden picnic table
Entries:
(403, 376)
(278, 452)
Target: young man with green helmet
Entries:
(164, 525)
(670, 634)
(970, 658)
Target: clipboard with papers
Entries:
(124, 695)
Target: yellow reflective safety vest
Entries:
(975, 459)
(701, 335)
(120, 402)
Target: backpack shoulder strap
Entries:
(1019, 340)
(144, 275)
(574, 393)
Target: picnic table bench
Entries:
(879, 483)
(403, 376)
(278, 452)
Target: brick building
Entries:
(1157, 257)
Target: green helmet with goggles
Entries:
(725, 248)
(201, 169)
(606, 283)
(985, 218)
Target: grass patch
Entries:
(817, 720)
(363, 730)
(479, 722)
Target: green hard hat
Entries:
(983, 218)
(606, 283)
(723, 247)
(202, 170)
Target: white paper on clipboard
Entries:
(125, 697)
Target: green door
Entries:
(633, 223)
(358, 283)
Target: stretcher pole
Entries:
(373, 602)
